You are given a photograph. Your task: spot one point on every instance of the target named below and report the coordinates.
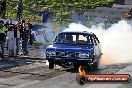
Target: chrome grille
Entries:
(67, 54)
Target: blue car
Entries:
(76, 49)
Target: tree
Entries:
(2, 8)
(28, 6)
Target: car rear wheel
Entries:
(94, 66)
(51, 64)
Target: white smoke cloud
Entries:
(116, 41)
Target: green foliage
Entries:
(29, 8)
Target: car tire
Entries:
(76, 67)
(96, 65)
(51, 64)
(81, 80)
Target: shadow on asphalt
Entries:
(88, 71)
(8, 63)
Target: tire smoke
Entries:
(116, 41)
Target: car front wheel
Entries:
(51, 64)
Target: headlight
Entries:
(84, 55)
(50, 53)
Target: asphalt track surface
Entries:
(28, 72)
(37, 75)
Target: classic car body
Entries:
(74, 48)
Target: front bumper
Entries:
(73, 60)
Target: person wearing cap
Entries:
(3, 31)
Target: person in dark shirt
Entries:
(45, 15)
(25, 35)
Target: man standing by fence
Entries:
(25, 36)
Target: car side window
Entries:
(90, 39)
(93, 40)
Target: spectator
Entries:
(29, 26)
(17, 36)
(25, 35)
(74, 17)
(19, 9)
(107, 22)
(130, 13)
(51, 14)
(45, 15)
(83, 19)
(107, 18)
(11, 39)
(3, 32)
(19, 28)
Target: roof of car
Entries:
(80, 32)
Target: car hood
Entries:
(70, 48)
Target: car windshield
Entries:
(73, 38)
